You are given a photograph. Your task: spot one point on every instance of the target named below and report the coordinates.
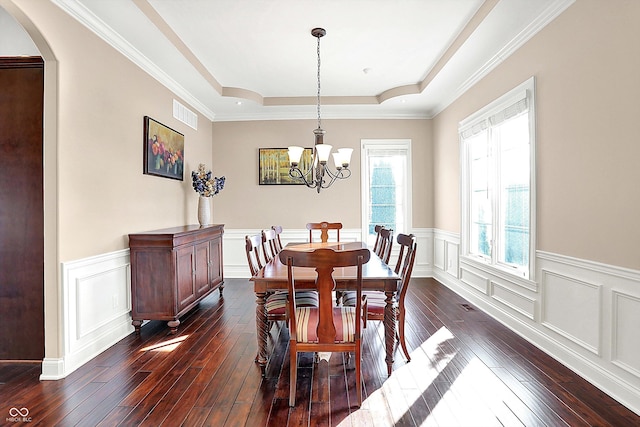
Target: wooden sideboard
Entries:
(172, 270)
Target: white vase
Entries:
(204, 211)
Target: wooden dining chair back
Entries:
(269, 244)
(376, 300)
(252, 248)
(386, 244)
(278, 230)
(276, 302)
(408, 246)
(326, 328)
(376, 245)
(324, 228)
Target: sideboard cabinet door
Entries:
(202, 284)
(185, 272)
(215, 262)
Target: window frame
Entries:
(491, 263)
(367, 146)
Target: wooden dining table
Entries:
(376, 276)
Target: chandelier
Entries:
(318, 174)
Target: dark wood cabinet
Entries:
(172, 270)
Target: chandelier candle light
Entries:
(314, 177)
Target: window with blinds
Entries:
(498, 163)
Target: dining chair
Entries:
(326, 328)
(376, 300)
(276, 302)
(386, 244)
(376, 245)
(269, 244)
(278, 229)
(252, 246)
(324, 228)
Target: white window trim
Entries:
(366, 144)
(499, 104)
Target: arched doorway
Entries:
(50, 285)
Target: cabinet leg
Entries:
(136, 324)
(173, 324)
(221, 288)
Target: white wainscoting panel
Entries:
(445, 253)
(477, 281)
(96, 308)
(626, 332)
(452, 258)
(571, 307)
(513, 299)
(439, 253)
(423, 265)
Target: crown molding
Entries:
(113, 39)
(551, 13)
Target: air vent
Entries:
(185, 115)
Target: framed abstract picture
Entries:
(274, 166)
(163, 150)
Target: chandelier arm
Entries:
(297, 174)
(342, 173)
(333, 179)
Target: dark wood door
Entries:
(21, 209)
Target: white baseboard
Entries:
(52, 369)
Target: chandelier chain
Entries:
(318, 50)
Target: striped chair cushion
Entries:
(375, 301)
(276, 303)
(344, 319)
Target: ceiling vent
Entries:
(185, 115)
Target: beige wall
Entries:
(102, 99)
(245, 204)
(586, 65)
(95, 192)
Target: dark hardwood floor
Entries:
(466, 370)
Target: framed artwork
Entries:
(274, 166)
(163, 150)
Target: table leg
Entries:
(261, 329)
(389, 329)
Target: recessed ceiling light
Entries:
(238, 102)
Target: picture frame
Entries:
(273, 166)
(163, 150)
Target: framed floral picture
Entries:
(163, 150)
(274, 166)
